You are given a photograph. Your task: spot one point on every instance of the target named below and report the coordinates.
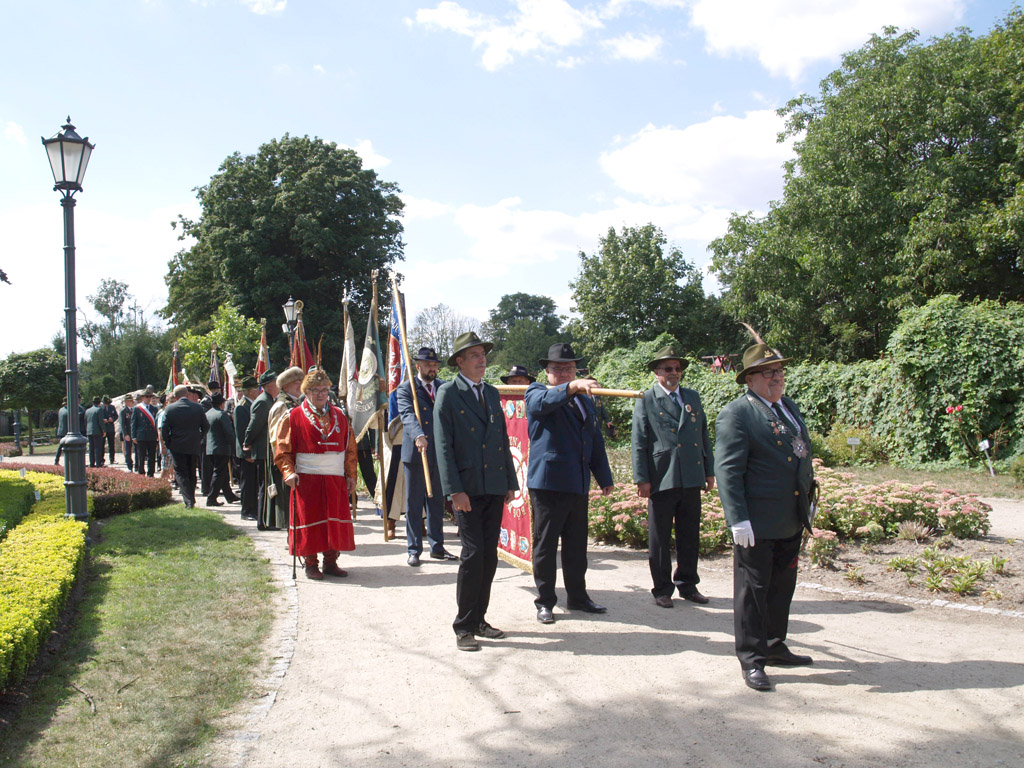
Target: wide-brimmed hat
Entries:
(465, 341)
(289, 375)
(667, 353)
(217, 399)
(213, 384)
(268, 377)
(757, 357)
(426, 355)
(150, 390)
(517, 370)
(559, 353)
(249, 382)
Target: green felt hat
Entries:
(757, 357)
(667, 353)
(465, 341)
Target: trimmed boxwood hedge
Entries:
(39, 561)
(113, 492)
(16, 497)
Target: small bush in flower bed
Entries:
(114, 492)
(850, 510)
(39, 561)
(621, 518)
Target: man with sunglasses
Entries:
(672, 462)
(765, 481)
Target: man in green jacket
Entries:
(94, 431)
(477, 472)
(672, 462)
(765, 481)
(247, 483)
(256, 443)
(220, 446)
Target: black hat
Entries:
(211, 384)
(427, 355)
(517, 370)
(249, 382)
(150, 390)
(465, 341)
(106, 398)
(268, 377)
(217, 399)
(96, 400)
(559, 353)
(667, 353)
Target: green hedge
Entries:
(114, 492)
(16, 497)
(39, 561)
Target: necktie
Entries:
(789, 425)
(480, 396)
(678, 400)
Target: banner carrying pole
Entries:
(519, 389)
(412, 382)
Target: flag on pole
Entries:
(348, 376)
(215, 374)
(262, 354)
(174, 378)
(368, 391)
(302, 356)
(230, 371)
(397, 369)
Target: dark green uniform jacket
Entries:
(473, 456)
(256, 431)
(241, 419)
(220, 439)
(671, 447)
(760, 478)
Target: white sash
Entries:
(330, 463)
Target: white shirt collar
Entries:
(666, 391)
(470, 383)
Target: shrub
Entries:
(822, 547)
(16, 497)
(870, 451)
(39, 561)
(1017, 469)
(114, 492)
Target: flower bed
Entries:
(844, 511)
(114, 492)
(39, 560)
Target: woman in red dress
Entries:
(316, 453)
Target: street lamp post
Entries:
(69, 156)
(291, 313)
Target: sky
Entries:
(518, 131)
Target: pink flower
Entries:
(959, 408)
(949, 409)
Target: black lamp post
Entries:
(291, 313)
(69, 156)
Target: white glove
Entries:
(743, 534)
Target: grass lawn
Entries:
(960, 480)
(167, 636)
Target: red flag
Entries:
(262, 354)
(301, 354)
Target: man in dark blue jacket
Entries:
(418, 438)
(184, 432)
(124, 423)
(144, 434)
(566, 448)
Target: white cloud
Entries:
(368, 155)
(14, 132)
(264, 7)
(569, 62)
(419, 208)
(786, 36)
(634, 47)
(319, 69)
(536, 26)
(727, 162)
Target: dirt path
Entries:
(376, 679)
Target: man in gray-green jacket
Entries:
(672, 462)
(220, 447)
(256, 442)
(477, 472)
(765, 481)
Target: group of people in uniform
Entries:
(296, 463)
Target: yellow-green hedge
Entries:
(39, 560)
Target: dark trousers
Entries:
(96, 450)
(260, 466)
(60, 450)
(416, 493)
(145, 456)
(678, 508)
(109, 436)
(479, 531)
(367, 471)
(128, 449)
(185, 466)
(247, 488)
(763, 582)
(220, 482)
(559, 516)
(206, 474)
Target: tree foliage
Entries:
(231, 333)
(32, 380)
(633, 290)
(299, 218)
(522, 327)
(436, 327)
(907, 184)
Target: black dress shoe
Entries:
(414, 560)
(545, 615)
(232, 499)
(486, 630)
(465, 641)
(588, 605)
(249, 517)
(260, 526)
(756, 678)
(213, 503)
(696, 597)
(443, 555)
(663, 601)
(780, 656)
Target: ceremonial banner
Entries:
(396, 362)
(515, 542)
(348, 376)
(302, 356)
(262, 354)
(368, 395)
(215, 366)
(230, 372)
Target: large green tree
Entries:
(633, 289)
(299, 218)
(522, 327)
(907, 184)
(32, 381)
(232, 333)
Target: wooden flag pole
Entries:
(412, 383)
(519, 389)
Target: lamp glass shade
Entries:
(69, 155)
(289, 310)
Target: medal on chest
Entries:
(799, 446)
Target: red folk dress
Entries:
(321, 450)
